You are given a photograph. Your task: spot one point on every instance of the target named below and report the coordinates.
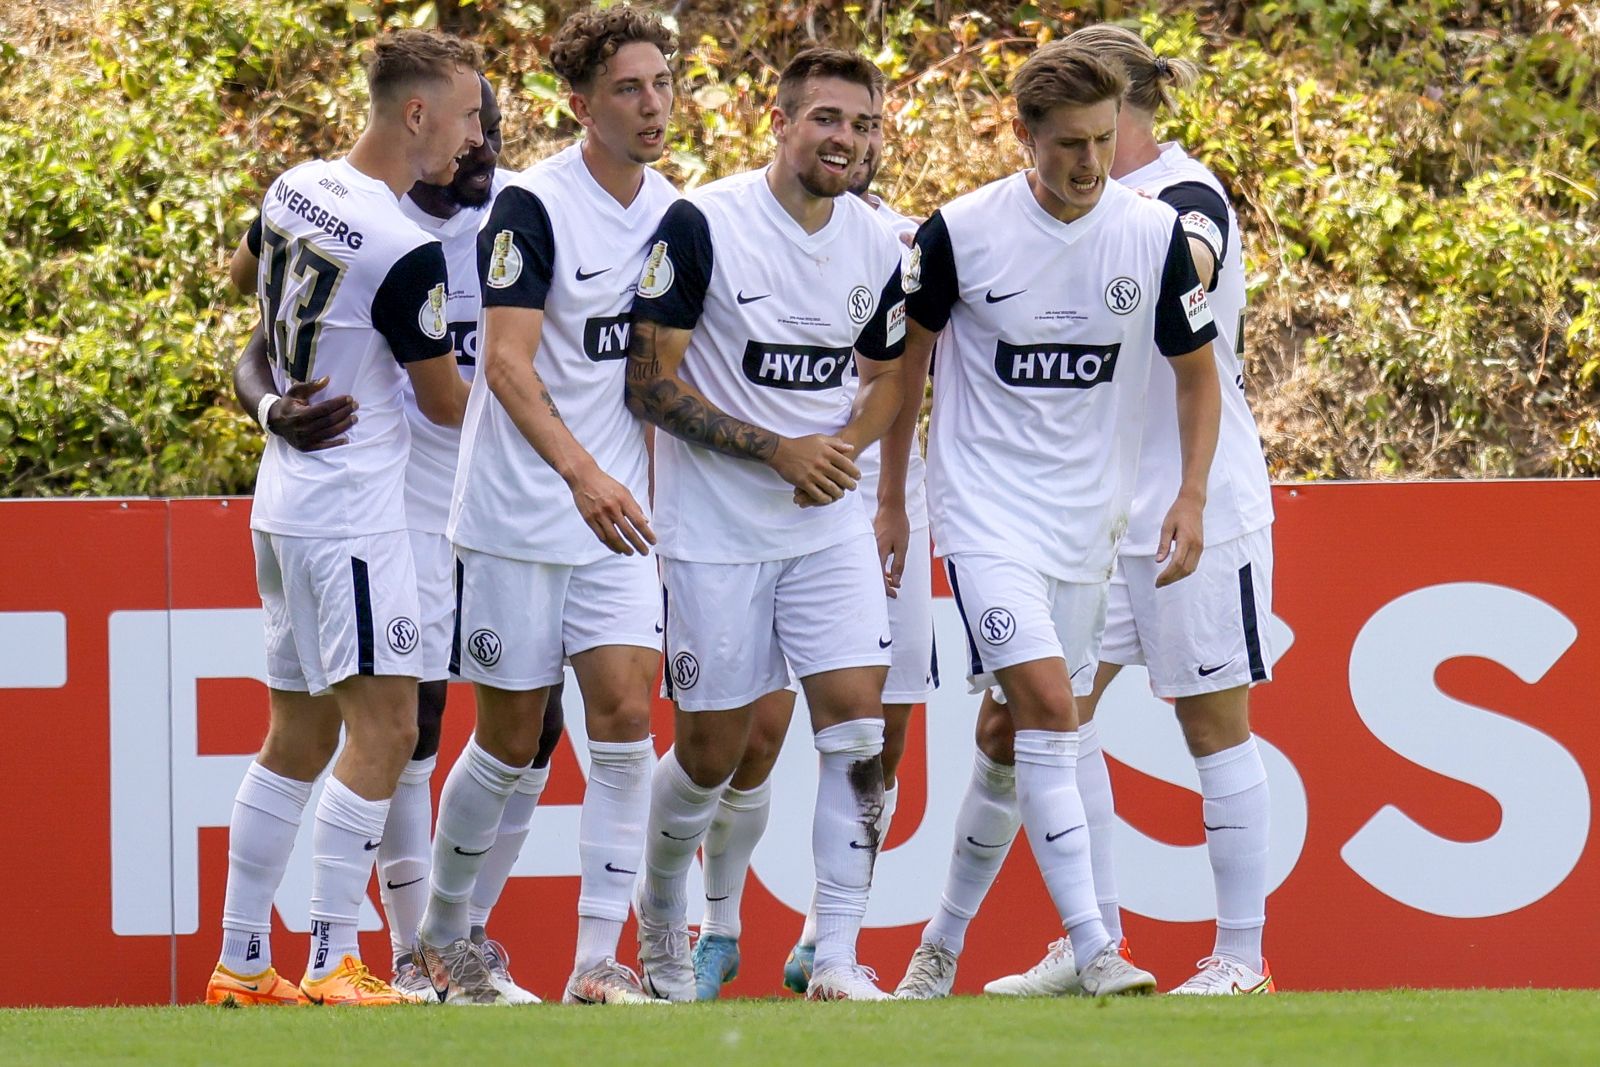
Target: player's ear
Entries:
(1024, 134)
(779, 122)
(411, 113)
(579, 104)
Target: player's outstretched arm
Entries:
(1199, 413)
(817, 464)
(892, 526)
(306, 425)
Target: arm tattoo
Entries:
(549, 401)
(663, 399)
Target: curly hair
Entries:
(1063, 73)
(1151, 78)
(593, 35)
(401, 58)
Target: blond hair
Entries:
(400, 59)
(1151, 78)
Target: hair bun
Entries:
(1163, 68)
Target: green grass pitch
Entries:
(1519, 1028)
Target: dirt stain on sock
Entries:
(866, 782)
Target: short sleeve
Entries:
(252, 237)
(1203, 215)
(516, 251)
(409, 307)
(1183, 316)
(930, 281)
(677, 273)
(884, 336)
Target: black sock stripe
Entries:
(972, 644)
(362, 590)
(455, 632)
(1252, 633)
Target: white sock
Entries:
(515, 823)
(348, 832)
(844, 834)
(266, 816)
(891, 800)
(1094, 787)
(680, 814)
(741, 820)
(470, 807)
(986, 826)
(1237, 812)
(403, 856)
(616, 806)
(1052, 811)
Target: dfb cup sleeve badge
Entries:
(997, 626)
(912, 280)
(505, 262)
(403, 635)
(484, 646)
(1122, 296)
(658, 273)
(430, 317)
(685, 670)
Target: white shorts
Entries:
(337, 607)
(1014, 614)
(436, 597)
(517, 621)
(1203, 634)
(913, 664)
(734, 629)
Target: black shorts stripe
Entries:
(362, 591)
(933, 659)
(972, 644)
(666, 672)
(455, 632)
(1252, 632)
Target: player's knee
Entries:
(1214, 722)
(430, 718)
(995, 736)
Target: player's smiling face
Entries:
(629, 104)
(826, 140)
(475, 173)
(1072, 150)
(867, 169)
(446, 122)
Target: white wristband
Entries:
(263, 408)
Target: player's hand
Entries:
(612, 513)
(817, 465)
(311, 427)
(893, 531)
(1182, 540)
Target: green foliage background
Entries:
(1418, 183)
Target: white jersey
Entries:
(1050, 332)
(776, 313)
(1238, 493)
(868, 462)
(431, 471)
(556, 241)
(350, 289)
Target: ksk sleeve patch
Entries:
(1196, 308)
(1199, 226)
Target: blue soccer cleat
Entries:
(716, 963)
(797, 968)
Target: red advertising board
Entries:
(1428, 742)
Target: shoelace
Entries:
(467, 968)
(610, 968)
(1214, 972)
(496, 957)
(1054, 955)
(367, 982)
(930, 966)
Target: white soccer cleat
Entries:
(930, 975)
(666, 969)
(853, 982)
(607, 983)
(498, 960)
(1054, 976)
(1111, 974)
(458, 972)
(414, 981)
(1221, 976)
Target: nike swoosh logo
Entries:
(1077, 672)
(885, 644)
(675, 837)
(582, 277)
(990, 298)
(974, 841)
(370, 845)
(713, 900)
(618, 870)
(1206, 672)
(402, 885)
(659, 628)
(859, 845)
(1208, 826)
(463, 852)
(252, 988)
(1061, 833)
(750, 299)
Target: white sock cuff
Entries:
(1088, 738)
(621, 753)
(1046, 748)
(341, 807)
(418, 771)
(858, 737)
(1231, 771)
(998, 778)
(498, 778)
(748, 799)
(272, 794)
(679, 781)
(533, 780)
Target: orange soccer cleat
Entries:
(352, 984)
(269, 989)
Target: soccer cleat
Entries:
(609, 982)
(409, 978)
(797, 968)
(498, 960)
(269, 989)
(458, 973)
(1110, 974)
(351, 984)
(1054, 976)
(845, 983)
(716, 963)
(666, 970)
(1222, 976)
(930, 974)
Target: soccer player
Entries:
(759, 292)
(1203, 639)
(901, 525)
(550, 531)
(351, 290)
(1056, 289)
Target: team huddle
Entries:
(573, 418)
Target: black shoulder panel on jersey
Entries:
(252, 237)
(884, 335)
(1204, 215)
(677, 273)
(1183, 317)
(931, 286)
(409, 307)
(516, 251)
